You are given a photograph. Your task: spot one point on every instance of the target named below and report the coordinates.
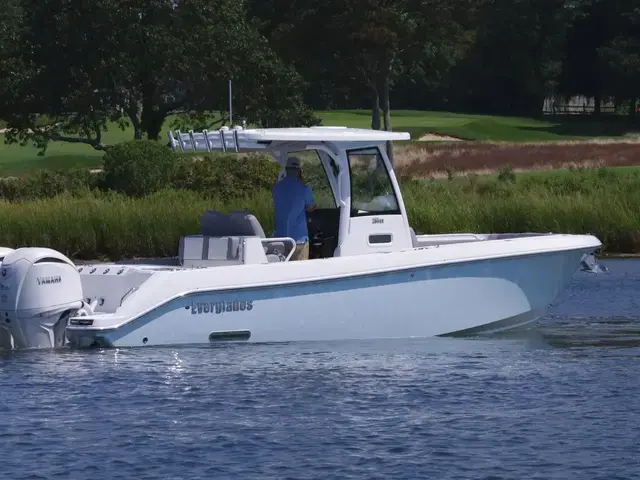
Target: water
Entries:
(563, 402)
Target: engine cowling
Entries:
(4, 251)
(6, 343)
(39, 289)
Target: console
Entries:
(323, 224)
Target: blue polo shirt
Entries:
(290, 199)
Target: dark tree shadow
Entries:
(586, 127)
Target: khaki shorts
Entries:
(301, 252)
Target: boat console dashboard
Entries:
(323, 224)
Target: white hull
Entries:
(482, 296)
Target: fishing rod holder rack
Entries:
(224, 140)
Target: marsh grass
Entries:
(434, 160)
(604, 202)
(107, 225)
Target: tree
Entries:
(389, 37)
(136, 62)
(582, 66)
(516, 58)
(360, 43)
(10, 19)
(10, 27)
(620, 55)
(305, 34)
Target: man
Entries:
(291, 200)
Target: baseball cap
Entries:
(293, 162)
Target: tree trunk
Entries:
(597, 106)
(153, 115)
(375, 109)
(383, 88)
(135, 121)
(152, 121)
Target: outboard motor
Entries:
(4, 251)
(39, 289)
(6, 342)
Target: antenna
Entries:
(230, 106)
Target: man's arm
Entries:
(309, 203)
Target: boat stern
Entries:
(93, 331)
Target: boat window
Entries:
(314, 175)
(371, 189)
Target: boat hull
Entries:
(468, 298)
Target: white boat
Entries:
(370, 275)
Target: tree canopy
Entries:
(78, 65)
(70, 68)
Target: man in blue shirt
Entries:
(291, 200)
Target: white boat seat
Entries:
(239, 224)
(196, 249)
(201, 251)
(234, 224)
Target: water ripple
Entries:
(558, 402)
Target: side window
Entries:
(314, 175)
(371, 189)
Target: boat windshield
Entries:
(371, 188)
(314, 175)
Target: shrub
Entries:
(507, 174)
(138, 167)
(47, 184)
(226, 177)
(223, 177)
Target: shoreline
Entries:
(618, 256)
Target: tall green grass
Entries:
(106, 225)
(103, 225)
(604, 202)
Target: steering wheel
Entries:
(314, 224)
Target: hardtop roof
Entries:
(238, 138)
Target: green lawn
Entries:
(17, 160)
(486, 127)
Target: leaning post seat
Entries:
(218, 224)
(238, 223)
(221, 234)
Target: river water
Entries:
(560, 402)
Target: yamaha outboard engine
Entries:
(6, 343)
(39, 289)
(4, 251)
